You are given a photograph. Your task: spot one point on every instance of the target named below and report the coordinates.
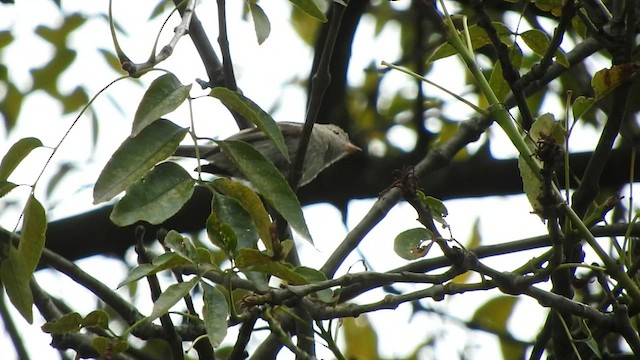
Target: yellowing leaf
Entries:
(606, 80)
(360, 338)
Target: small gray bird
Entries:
(328, 143)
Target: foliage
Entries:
(249, 275)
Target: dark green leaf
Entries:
(171, 296)
(164, 95)
(260, 22)
(32, 237)
(252, 112)
(16, 154)
(214, 312)
(135, 157)
(409, 244)
(159, 195)
(268, 181)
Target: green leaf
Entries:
(493, 316)
(479, 38)
(260, 22)
(109, 347)
(531, 184)
(32, 237)
(15, 279)
(606, 80)
(220, 233)
(538, 42)
(6, 187)
(96, 318)
(136, 274)
(171, 296)
(409, 243)
(214, 313)
(254, 260)
(436, 207)
(164, 261)
(136, 156)
(252, 112)
(315, 276)
(71, 322)
(182, 245)
(268, 181)
(163, 96)
(159, 195)
(581, 105)
(310, 8)
(251, 203)
(498, 84)
(17, 152)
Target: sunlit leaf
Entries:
(214, 312)
(159, 195)
(252, 112)
(17, 152)
(409, 244)
(163, 96)
(135, 157)
(32, 237)
(269, 182)
(171, 296)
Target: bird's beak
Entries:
(350, 148)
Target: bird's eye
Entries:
(335, 131)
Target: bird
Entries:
(328, 143)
